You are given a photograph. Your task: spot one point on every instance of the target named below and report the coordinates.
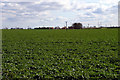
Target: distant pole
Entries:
(28, 27)
(88, 25)
(98, 23)
(66, 25)
(101, 23)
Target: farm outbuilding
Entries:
(77, 26)
(70, 27)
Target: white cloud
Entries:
(110, 2)
(40, 11)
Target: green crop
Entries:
(61, 54)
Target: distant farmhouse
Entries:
(76, 26)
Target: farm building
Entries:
(64, 27)
(70, 27)
(77, 26)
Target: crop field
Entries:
(60, 54)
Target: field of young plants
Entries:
(60, 54)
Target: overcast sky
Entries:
(19, 13)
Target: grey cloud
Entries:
(25, 3)
(86, 8)
(98, 11)
(45, 6)
(31, 7)
(89, 14)
(8, 9)
(113, 9)
(12, 19)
